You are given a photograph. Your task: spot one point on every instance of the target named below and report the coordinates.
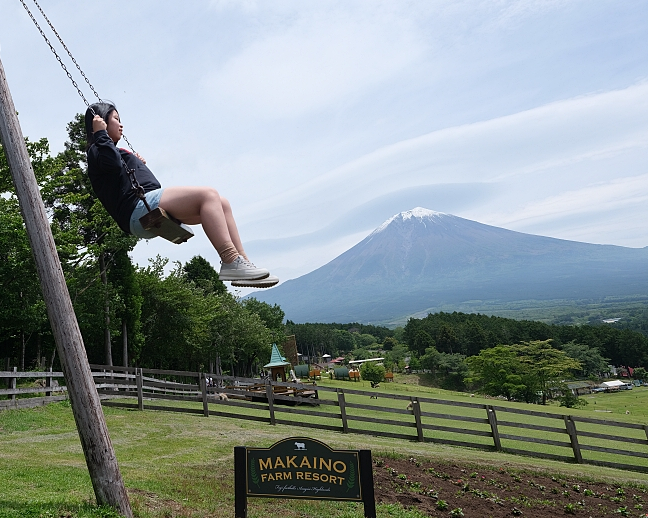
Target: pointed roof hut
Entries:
(277, 364)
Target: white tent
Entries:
(612, 384)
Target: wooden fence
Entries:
(49, 387)
(487, 427)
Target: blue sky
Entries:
(320, 120)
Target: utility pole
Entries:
(86, 407)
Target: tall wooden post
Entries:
(91, 425)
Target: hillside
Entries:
(421, 260)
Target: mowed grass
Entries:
(182, 464)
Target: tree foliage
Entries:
(469, 334)
(525, 371)
(182, 320)
(372, 371)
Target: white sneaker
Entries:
(241, 270)
(268, 282)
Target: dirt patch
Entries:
(446, 489)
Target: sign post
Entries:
(299, 467)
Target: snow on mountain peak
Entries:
(418, 213)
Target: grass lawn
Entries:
(182, 465)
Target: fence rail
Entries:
(518, 431)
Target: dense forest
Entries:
(468, 334)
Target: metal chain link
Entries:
(58, 58)
(67, 50)
(131, 172)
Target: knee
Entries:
(210, 195)
(226, 205)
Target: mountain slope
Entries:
(419, 259)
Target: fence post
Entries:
(416, 410)
(573, 438)
(646, 431)
(342, 405)
(270, 396)
(492, 421)
(140, 388)
(203, 387)
(12, 384)
(48, 382)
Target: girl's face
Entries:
(115, 127)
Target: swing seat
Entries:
(164, 225)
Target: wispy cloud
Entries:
(320, 58)
(531, 155)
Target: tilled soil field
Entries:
(446, 489)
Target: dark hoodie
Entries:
(110, 181)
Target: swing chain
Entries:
(139, 190)
(66, 50)
(58, 58)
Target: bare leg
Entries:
(203, 206)
(231, 226)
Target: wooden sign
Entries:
(299, 467)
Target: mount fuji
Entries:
(421, 260)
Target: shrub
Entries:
(371, 371)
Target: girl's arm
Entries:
(108, 156)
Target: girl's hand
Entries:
(140, 157)
(98, 124)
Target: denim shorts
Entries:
(153, 199)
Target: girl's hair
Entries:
(104, 109)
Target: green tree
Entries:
(447, 340)
(128, 303)
(23, 319)
(499, 372)
(83, 230)
(422, 341)
(639, 374)
(389, 343)
(272, 316)
(455, 370)
(592, 363)
(344, 341)
(365, 340)
(548, 365)
(199, 271)
(372, 371)
(415, 363)
(397, 355)
(430, 360)
(568, 399)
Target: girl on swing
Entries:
(191, 205)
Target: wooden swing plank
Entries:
(164, 225)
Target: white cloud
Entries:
(535, 153)
(322, 58)
(622, 193)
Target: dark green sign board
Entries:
(299, 467)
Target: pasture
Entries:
(181, 465)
